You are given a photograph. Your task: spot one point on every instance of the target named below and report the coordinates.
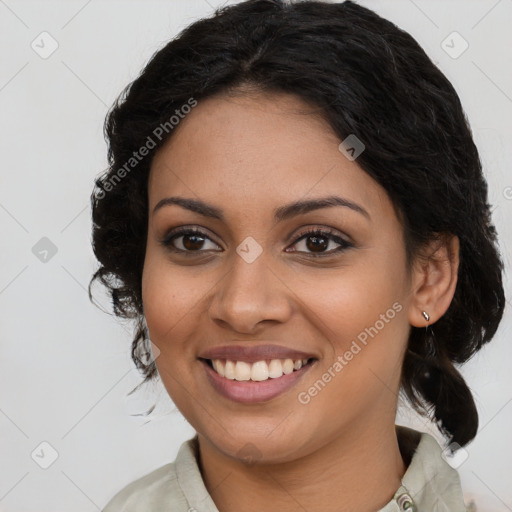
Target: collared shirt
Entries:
(429, 484)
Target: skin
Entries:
(248, 154)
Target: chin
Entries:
(253, 442)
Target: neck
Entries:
(341, 472)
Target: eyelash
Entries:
(323, 233)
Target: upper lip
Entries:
(253, 354)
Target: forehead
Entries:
(249, 151)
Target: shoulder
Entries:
(155, 488)
(429, 477)
(153, 491)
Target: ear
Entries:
(434, 279)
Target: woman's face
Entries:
(253, 288)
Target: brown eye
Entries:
(193, 242)
(316, 242)
(187, 241)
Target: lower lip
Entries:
(249, 391)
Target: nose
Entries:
(250, 294)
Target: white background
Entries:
(65, 364)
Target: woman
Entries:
(295, 215)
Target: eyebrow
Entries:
(280, 214)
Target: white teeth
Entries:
(288, 366)
(275, 369)
(218, 365)
(229, 370)
(242, 370)
(259, 371)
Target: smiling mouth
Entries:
(258, 371)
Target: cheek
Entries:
(172, 305)
(349, 300)
(360, 311)
(172, 298)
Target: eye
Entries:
(192, 240)
(315, 242)
(318, 240)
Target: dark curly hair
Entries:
(366, 77)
